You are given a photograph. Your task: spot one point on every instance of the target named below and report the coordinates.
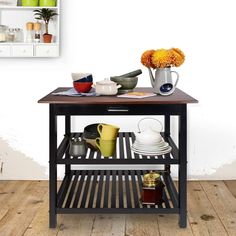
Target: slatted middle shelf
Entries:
(88, 191)
(123, 155)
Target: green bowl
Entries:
(127, 83)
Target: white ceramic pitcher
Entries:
(162, 83)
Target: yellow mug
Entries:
(108, 132)
(107, 147)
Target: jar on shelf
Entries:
(29, 32)
(3, 33)
(10, 35)
(19, 35)
(152, 189)
(37, 34)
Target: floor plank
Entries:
(22, 211)
(202, 217)
(141, 225)
(76, 225)
(168, 225)
(107, 225)
(40, 222)
(223, 203)
(231, 185)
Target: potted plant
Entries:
(46, 15)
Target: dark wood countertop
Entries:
(178, 97)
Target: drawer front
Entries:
(47, 50)
(5, 50)
(22, 51)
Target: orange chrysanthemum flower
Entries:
(177, 56)
(161, 58)
(146, 59)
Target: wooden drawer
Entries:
(22, 50)
(5, 50)
(47, 50)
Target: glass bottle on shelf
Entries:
(3, 33)
(11, 35)
(37, 28)
(29, 32)
(19, 35)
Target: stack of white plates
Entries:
(158, 148)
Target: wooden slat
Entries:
(79, 189)
(175, 150)
(171, 190)
(127, 189)
(64, 145)
(72, 189)
(134, 187)
(92, 191)
(165, 199)
(223, 202)
(85, 192)
(113, 193)
(106, 193)
(121, 191)
(127, 143)
(61, 198)
(121, 145)
(100, 185)
(136, 156)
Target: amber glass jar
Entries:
(152, 189)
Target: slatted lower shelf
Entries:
(111, 191)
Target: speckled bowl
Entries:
(127, 83)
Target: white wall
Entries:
(107, 38)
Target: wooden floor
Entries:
(24, 211)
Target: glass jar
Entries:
(11, 35)
(19, 36)
(3, 33)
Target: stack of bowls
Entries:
(82, 82)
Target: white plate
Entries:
(156, 146)
(151, 143)
(151, 148)
(148, 153)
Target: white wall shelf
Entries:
(17, 17)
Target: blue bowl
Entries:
(78, 77)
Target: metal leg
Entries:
(52, 167)
(183, 167)
(67, 131)
(167, 133)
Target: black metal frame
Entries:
(178, 198)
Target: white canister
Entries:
(106, 87)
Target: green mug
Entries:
(108, 132)
(107, 147)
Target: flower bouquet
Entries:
(161, 60)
